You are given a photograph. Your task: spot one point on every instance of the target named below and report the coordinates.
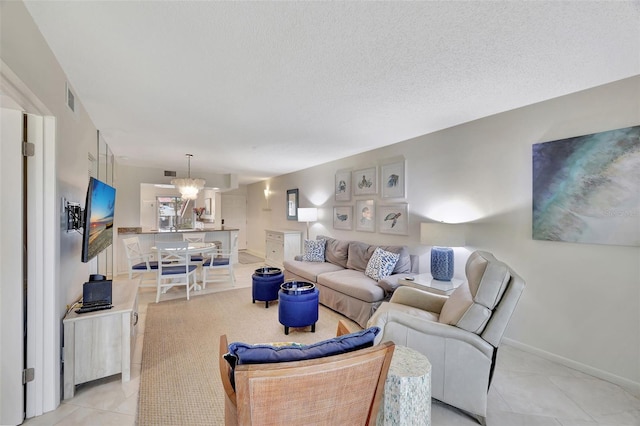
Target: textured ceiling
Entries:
(265, 88)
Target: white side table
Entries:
(427, 283)
(407, 390)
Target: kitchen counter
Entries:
(148, 238)
(138, 231)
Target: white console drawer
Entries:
(281, 246)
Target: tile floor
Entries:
(527, 390)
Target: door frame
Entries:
(43, 323)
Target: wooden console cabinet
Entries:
(100, 344)
(281, 246)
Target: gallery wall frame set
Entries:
(343, 186)
(343, 218)
(393, 219)
(365, 216)
(365, 181)
(393, 179)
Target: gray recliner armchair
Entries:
(461, 334)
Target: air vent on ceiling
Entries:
(170, 173)
(71, 98)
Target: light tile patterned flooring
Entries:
(527, 390)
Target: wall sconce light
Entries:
(309, 214)
(442, 236)
(266, 197)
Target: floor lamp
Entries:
(309, 214)
(442, 236)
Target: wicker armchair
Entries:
(341, 389)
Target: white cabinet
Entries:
(281, 245)
(100, 344)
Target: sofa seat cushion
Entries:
(243, 353)
(310, 270)
(352, 283)
(406, 312)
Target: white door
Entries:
(234, 214)
(11, 271)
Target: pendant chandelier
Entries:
(188, 187)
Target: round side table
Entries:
(407, 390)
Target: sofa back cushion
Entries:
(403, 265)
(335, 251)
(360, 253)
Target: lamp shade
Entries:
(442, 234)
(309, 214)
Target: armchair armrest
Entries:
(418, 299)
(387, 314)
(225, 370)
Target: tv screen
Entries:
(97, 234)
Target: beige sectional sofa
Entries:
(341, 278)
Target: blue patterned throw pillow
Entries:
(381, 264)
(314, 250)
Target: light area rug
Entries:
(180, 380)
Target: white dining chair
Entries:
(220, 260)
(175, 267)
(195, 237)
(139, 261)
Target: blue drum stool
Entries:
(266, 284)
(298, 305)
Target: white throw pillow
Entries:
(314, 250)
(381, 264)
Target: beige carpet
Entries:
(180, 382)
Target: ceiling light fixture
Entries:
(188, 187)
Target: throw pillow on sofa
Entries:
(313, 250)
(381, 264)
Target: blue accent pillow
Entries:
(244, 353)
(381, 264)
(314, 250)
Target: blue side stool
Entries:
(298, 305)
(266, 284)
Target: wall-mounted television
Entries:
(97, 234)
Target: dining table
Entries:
(196, 248)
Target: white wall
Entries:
(27, 55)
(582, 302)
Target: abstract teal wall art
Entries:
(586, 189)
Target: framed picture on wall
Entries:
(365, 181)
(393, 219)
(365, 216)
(343, 186)
(342, 218)
(393, 179)
(292, 204)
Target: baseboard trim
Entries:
(629, 385)
(254, 253)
